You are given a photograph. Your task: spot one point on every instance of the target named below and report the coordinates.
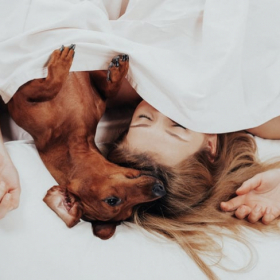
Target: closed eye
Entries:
(178, 125)
(144, 116)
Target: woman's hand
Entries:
(9, 182)
(258, 198)
(9, 188)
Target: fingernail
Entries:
(225, 207)
(258, 208)
(268, 210)
(72, 46)
(62, 48)
(7, 196)
(242, 209)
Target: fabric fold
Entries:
(209, 65)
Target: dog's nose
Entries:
(158, 190)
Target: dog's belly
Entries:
(61, 125)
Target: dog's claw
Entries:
(61, 48)
(72, 47)
(115, 61)
(108, 75)
(125, 57)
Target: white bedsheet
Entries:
(211, 65)
(36, 244)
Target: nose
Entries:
(158, 190)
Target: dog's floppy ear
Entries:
(104, 230)
(64, 205)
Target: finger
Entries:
(15, 196)
(250, 184)
(255, 214)
(3, 190)
(5, 205)
(269, 216)
(242, 212)
(233, 204)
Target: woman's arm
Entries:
(9, 182)
(268, 130)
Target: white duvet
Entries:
(211, 65)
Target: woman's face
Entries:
(153, 133)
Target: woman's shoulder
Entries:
(268, 130)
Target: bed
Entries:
(34, 242)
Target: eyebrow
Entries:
(168, 132)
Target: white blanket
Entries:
(211, 65)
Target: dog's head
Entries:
(105, 198)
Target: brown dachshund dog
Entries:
(61, 112)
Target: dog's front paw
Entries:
(61, 61)
(118, 68)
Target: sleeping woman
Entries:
(203, 173)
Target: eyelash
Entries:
(144, 116)
(178, 125)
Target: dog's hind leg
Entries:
(40, 90)
(109, 82)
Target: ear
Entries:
(211, 143)
(57, 198)
(104, 230)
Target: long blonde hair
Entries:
(190, 212)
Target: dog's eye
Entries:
(113, 201)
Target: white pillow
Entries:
(36, 244)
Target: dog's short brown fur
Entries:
(61, 112)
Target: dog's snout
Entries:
(159, 190)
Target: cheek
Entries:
(136, 140)
(182, 152)
(203, 141)
(199, 141)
